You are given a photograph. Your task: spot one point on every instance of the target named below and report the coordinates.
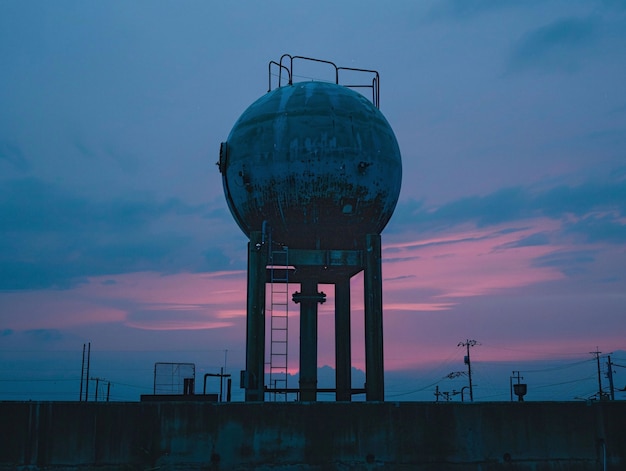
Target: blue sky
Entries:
(511, 224)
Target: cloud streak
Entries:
(13, 155)
(557, 46)
(476, 263)
(594, 210)
(52, 237)
(462, 10)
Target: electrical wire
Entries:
(560, 367)
(416, 390)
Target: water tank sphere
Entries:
(315, 162)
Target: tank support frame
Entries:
(309, 268)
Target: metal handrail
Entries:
(280, 69)
(286, 63)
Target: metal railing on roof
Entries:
(285, 70)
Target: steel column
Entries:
(255, 320)
(374, 372)
(343, 358)
(308, 339)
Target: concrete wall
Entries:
(533, 436)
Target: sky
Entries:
(510, 229)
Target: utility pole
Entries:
(84, 372)
(597, 354)
(469, 343)
(609, 365)
(82, 375)
(87, 374)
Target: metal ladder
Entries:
(279, 322)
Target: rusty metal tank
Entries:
(316, 163)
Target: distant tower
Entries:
(312, 173)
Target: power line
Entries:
(556, 368)
(561, 383)
(521, 350)
(38, 380)
(416, 390)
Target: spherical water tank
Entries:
(314, 162)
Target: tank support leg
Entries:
(343, 361)
(374, 373)
(308, 299)
(255, 320)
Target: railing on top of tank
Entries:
(285, 66)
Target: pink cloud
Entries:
(416, 307)
(140, 300)
(473, 262)
(49, 309)
(180, 288)
(178, 324)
